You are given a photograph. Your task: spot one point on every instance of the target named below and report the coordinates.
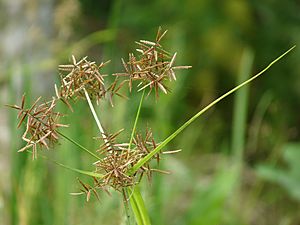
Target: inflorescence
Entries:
(151, 67)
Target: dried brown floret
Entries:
(118, 159)
(152, 66)
(42, 123)
(85, 76)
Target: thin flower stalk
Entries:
(96, 117)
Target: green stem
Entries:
(138, 206)
(78, 145)
(135, 197)
(97, 119)
(95, 115)
(192, 119)
(84, 172)
(136, 120)
(126, 208)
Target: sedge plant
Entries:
(118, 166)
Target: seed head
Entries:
(118, 159)
(76, 77)
(152, 66)
(42, 123)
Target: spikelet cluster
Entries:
(85, 76)
(152, 66)
(117, 160)
(42, 123)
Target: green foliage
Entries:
(209, 205)
(289, 177)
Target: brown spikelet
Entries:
(42, 123)
(117, 160)
(152, 67)
(79, 76)
(85, 75)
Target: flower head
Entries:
(118, 159)
(42, 123)
(80, 76)
(152, 66)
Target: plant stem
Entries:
(136, 199)
(96, 119)
(84, 172)
(138, 206)
(126, 208)
(94, 113)
(79, 145)
(136, 120)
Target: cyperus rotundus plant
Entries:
(118, 166)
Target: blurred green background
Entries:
(240, 161)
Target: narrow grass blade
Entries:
(135, 209)
(128, 212)
(138, 206)
(258, 117)
(192, 119)
(240, 108)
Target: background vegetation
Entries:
(239, 163)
